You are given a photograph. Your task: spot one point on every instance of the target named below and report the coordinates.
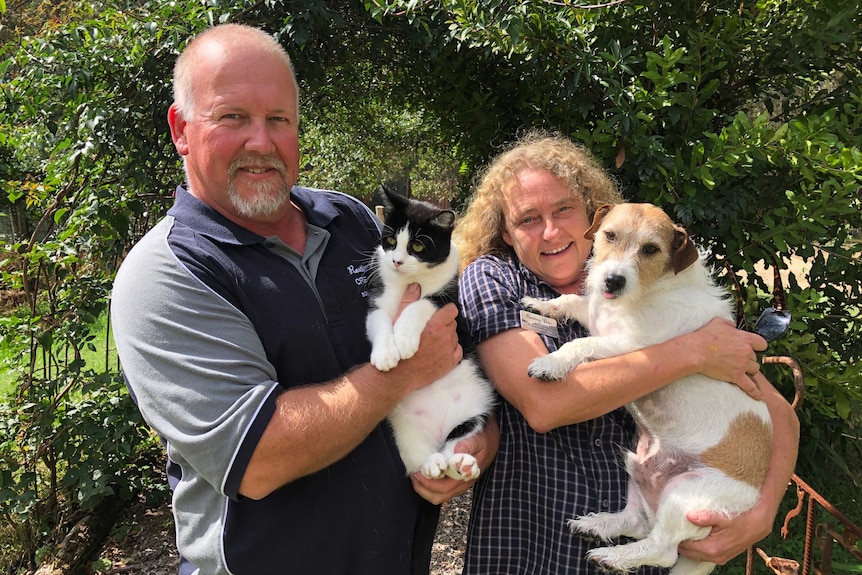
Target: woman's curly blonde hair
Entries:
(480, 230)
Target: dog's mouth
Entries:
(614, 286)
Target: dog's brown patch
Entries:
(744, 452)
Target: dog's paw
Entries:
(435, 466)
(385, 356)
(584, 527)
(549, 368)
(605, 560)
(547, 308)
(532, 303)
(463, 466)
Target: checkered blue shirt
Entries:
(538, 481)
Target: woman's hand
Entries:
(729, 536)
(729, 354)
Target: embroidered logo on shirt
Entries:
(360, 276)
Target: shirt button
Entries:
(598, 442)
(605, 503)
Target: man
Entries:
(240, 324)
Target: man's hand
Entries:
(483, 446)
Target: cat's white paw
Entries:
(435, 466)
(406, 342)
(463, 466)
(385, 356)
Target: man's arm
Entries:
(316, 425)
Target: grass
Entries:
(94, 358)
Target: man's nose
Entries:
(258, 138)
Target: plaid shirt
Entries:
(538, 481)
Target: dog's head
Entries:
(633, 246)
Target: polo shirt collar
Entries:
(318, 209)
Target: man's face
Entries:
(241, 143)
(545, 222)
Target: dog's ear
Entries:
(597, 220)
(684, 250)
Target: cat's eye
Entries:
(417, 247)
(389, 240)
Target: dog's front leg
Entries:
(558, 364)
(569, 306)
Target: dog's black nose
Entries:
(615, 283)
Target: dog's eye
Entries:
(610, 236)
(650, 249)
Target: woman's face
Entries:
(545, 223)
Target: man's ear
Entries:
(178, 130)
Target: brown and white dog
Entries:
(703, 444)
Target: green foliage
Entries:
(741, 119)
(83, 142)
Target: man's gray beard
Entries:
(262, 202)
(265, 198)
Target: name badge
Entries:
(539, 324)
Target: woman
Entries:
(560, 447)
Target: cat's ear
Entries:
(391, 197)
(445, 220)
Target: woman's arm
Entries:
(592, 389)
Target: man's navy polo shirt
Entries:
(211, 323)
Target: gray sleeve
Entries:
(194, 363)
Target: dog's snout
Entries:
(615, 283)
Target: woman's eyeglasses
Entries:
(774, 320)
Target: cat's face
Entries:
(416, 237)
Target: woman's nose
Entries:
(551, 230)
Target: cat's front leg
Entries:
(409, 326)
(384, 352)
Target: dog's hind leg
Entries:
(632, 521)
(686, 566)
(630, 556)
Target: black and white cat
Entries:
(416, 246)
